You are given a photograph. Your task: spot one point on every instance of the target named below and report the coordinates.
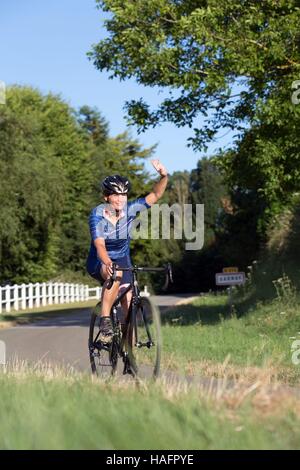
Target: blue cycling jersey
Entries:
(117, 237)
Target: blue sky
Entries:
(44, 44)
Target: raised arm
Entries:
(159, 187)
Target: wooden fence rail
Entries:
(23, 296)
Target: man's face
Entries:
(117, 201)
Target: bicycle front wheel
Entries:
(144, 342)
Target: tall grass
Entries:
(46, 408)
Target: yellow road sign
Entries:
(230, 270)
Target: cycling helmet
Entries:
(115, 184)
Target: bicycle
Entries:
(139, 345)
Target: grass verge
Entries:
(199, 337)
(46, 408)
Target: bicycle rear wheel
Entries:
(103, 357)
(143, 339)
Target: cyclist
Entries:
(110, 226)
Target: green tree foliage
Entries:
(201, 50)
(232, 64)
(207, 187)
(32, 190)
(63, 134)
(52, 160)
(266, 160)
(93, 123)
(123, 155)
(194, 270)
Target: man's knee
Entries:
(127, 298)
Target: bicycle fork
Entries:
(148, 343)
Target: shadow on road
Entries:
(79, 317)
(70, 317)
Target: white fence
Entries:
(23, 296)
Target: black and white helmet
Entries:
(115, 184)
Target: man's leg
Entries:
(125, 303)
(109, 295)
(107, 299)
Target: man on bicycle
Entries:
(110, 226)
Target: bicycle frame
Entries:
(132, 286)
(132, 310)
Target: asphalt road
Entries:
(62, 340)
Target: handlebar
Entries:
(167, 269)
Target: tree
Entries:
(52, 161)
(266, 160)
(32, 190)
(178, 188)
(69, 144)
(233, 64)
(207, 187)
(219, 60)
(93, 124)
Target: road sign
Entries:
(230, 279)
(230, 270)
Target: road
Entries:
(62, 340)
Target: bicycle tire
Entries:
(144, 357)
(103, 358)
